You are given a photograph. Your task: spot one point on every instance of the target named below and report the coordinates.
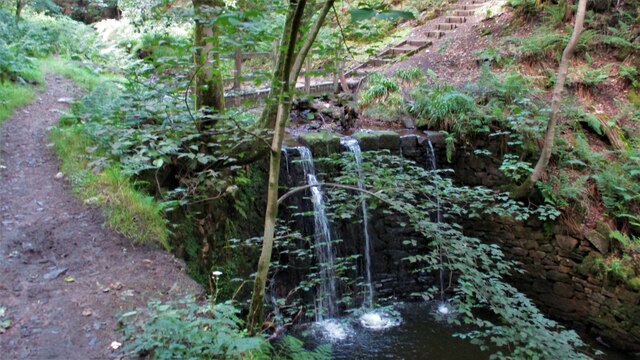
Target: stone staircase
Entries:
(462, 12)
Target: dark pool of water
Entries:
(419, 337)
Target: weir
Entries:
(354, 147)
(326, 298)
(433, 165)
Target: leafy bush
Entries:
(619, 185)
(515, 168)
(491, 56)
(410, 75)
(624, 38)
(508, 87)
(379, 87)
(185, 330)
(561, 190)
(547, 42)
(630, 74)
(39, 36)
(525, 8)
(188, 330)
(543, 43)
(588, 77)
(382, 98)
(441, 107)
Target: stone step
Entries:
(446, 26)
(399, 50)
(435, 34)
(455, 19)
(380, 62)
(418, 42)
(464, 12)
(468, 7)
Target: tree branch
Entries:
(334, 185)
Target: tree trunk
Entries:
(208, 81)
(550, 134)
(281, 87)
(309, 40)
(268, 117)
(19, 7)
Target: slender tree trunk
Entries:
(268, 117)
(309, 40)
(19, 7)
(281, 83)
(209, 84)
(549, 138)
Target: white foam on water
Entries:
(378, 321)
(333, 330)
(443, 309)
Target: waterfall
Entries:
(285, 154)
(354, 148)
(326, 298)
(431, 161)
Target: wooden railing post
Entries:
(307, 75)
(336, 77)
(275, 52)
(343, 80)
(237, 79)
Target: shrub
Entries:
(441, 107)
(630, 74)
(587, 77)
(378, 89)
(410, 75)
(188, 330)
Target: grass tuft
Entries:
(83, 76)
(12, 96)
(127, 210)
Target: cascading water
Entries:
(431, 161)
(285, 154)
(354, 147)
(326, 298)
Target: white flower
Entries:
(216, 273)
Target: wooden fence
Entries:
(238, 94)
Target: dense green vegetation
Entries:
(153, 143)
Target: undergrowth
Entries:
(127, 210)
(81, 73)
(13, 96)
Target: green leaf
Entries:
(358, 15)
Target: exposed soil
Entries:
(63, 276)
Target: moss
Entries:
(634, 97)
(389, 140)
(371, 141)
(368, 141)
(634, 283)
(592, 265)
(322, 143)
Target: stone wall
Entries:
(558, 261)
(559, 279)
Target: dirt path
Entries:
(47, 236)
